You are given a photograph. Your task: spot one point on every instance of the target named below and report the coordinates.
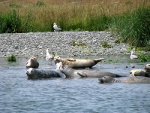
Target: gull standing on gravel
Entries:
(56, 28)
(132, 56)
(48, 55)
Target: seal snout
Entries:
(101, 80)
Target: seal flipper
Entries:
(82, 74)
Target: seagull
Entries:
(132, 56)
(48, 55)
(56, 28)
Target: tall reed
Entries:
(134, 27)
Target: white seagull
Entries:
(56, 28)
(132, 56)
(48, 55)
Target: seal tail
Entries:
(98, 60)
(120, 75)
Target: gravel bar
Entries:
(29, 44)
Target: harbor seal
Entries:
(147, 68)
(130, 79)
(78, 63)
(32, 63)
(84, 73)
(71, 62)
(141, 72)
(34, 73)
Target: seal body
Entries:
(141, 72)
(147, 68)
(34, 74)
(78, 63)
(86, 73)
(131, 80)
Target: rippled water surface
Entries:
(19, 95)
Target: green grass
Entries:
(78, 43)
(144, 57)
(10, 23)
(133, 27)
(105, 44)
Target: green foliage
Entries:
(90, 23)
(117, 41)
(144, 57)
(10, 23)
(75, 43)
(99, 23)
(105, 44)
(133, 27)
(147, 48)
(11, 58)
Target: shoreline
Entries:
(70, 44)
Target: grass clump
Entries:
(147, 48)
(134, 27)
(105, 44)
(10, 23)
(144, 57)
(11, 58)
(75, 43)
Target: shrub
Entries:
(104, 44)
(11, 58)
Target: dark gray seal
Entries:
(130, 79)
(84, 73)
(34, 73)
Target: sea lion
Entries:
(78, 63)
(32, 63)
(84, 73)
(130, 79)
(34, 73)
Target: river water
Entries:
(19, 95)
